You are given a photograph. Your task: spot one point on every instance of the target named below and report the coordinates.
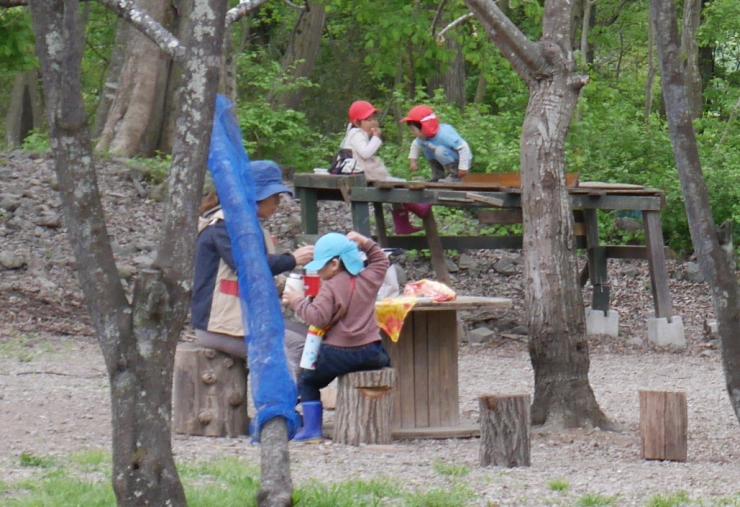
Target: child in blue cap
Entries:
(345, 309)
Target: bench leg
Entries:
(361, 217)
(436, 249)
(597, 270)
(309, 211)
(380, 224)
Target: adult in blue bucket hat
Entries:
(216, 308)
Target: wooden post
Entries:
(504, 430)
(596, 262)
(380, 224)
(436, 249)
(663, 425)
(209, 393)
(363, 414)
(309, 210)
(656, 262)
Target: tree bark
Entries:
(138, 339)
(26, 111)
(276, 486)
(690, 56)
(300, 57)
(131, 110)
(504, 430)
(651, 69)
(557, 344)
(715, 263)
(454, 76)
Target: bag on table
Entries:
(344, 163)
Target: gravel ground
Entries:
(54, 395)
(56, 403)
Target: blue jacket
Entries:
(215, 304)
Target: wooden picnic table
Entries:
(426, 400)
(497, 198)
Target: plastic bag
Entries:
(438, 291)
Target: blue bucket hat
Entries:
(268, 179)
(334, 245)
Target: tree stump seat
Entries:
(363, 408)
(209, 393)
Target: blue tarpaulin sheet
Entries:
(273, 388)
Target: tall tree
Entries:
(137, 339)
(557, 344)
(690, 56)
(717, 263)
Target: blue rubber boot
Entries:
(313, 413)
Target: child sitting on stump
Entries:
(345, 309)
(441, 145)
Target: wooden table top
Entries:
(462, 303)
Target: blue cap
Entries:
(334, 245)
(268, 179)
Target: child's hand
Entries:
(290, 296)
(303, 255)
(357, 238)
(375, 131)
(413, 165)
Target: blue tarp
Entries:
(273, 389)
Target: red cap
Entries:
(426, 117)
(361, 110)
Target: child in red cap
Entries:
(447, 152)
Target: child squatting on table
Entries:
(345, 309)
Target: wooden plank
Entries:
(448, 367)
(361, 218)
(656, 261)
(421, 373)
(509, 180)
(458, 242)
(462, 303)
(309, 211)
(466, 430)
(329, 181)
(434, 344)
(490, 200)
(405, 373)
(501, 217)
(435, 247)
(380, 224)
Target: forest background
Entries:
(297, 67)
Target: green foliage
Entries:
(451, 470)
(675, 500)
(37, 142)
(559, 485)
(31, 460)
(154, 169)
(16, 41)
(596, 500)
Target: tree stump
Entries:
(504, 430)
(663, 425)
(209, 393)
(363, 413)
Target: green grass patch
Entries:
(31, 460)
(596, 500)
(674, 500)
(558, 485)
(24, 348)
(96, 460)
(57, 488)
(451, 470)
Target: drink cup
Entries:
(311, 348)
(295, 283)
(312, 282)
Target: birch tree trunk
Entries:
(716, 264)
(138, 339)
(555, 317)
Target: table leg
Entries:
(656, 261)
(596, 262)
(380, 224)
(361, 217)
(436, 249)
(309, 210)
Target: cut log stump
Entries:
(209, 393)
(363, 413)
(663, 425)
(504, 430)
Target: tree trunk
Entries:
(690, 56)
(651, 69)
(276, 486)
(714, 261)
(112, 74)
(300, 57)
(557, 333)
(504, 430)
(364, 405)
(138, 340)
(454, 76)
(130, 113)
(26, 111)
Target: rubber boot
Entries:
(420, 210)
(401, 222)
(313, 413)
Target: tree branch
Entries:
(13, 3)
(295, 6)
(244, 8)
(525, 56)
(458, 21)
(437, 16)
(131, 12)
